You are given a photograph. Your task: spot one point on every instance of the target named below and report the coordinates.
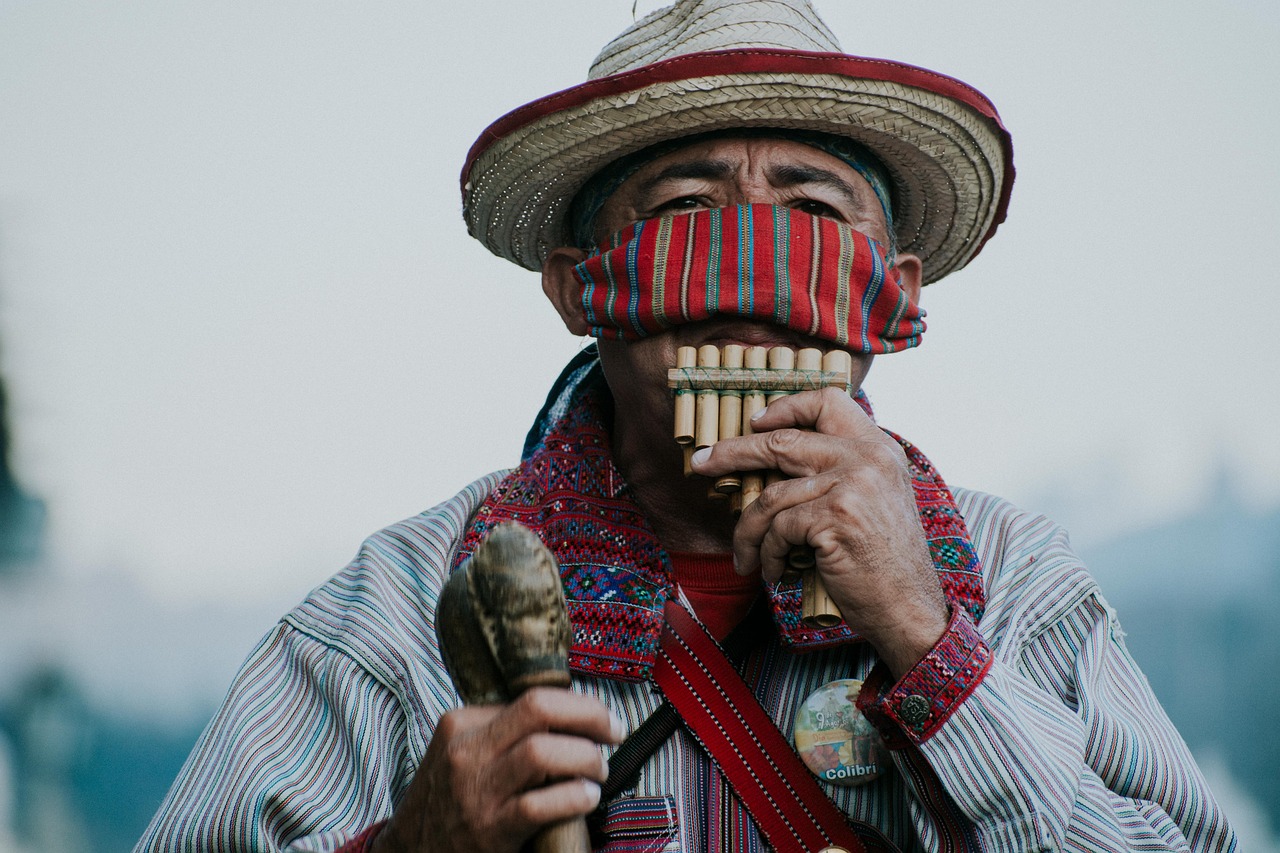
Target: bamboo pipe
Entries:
(730, 415)
(707, 423)
(756, 358)
(800, 558)
(780, 358)
(817, 609)
(685, 357)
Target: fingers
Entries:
(829, 410)
(542, 758)
(783, 516)
(557, 802)
(493, 775)
(545, 709)
(548, 734)
(780, 444)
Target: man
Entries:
(725, 177)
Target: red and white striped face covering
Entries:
(814, 275)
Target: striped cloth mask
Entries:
(814, 275)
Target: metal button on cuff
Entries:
(914, 709)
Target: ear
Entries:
(563, 289)
(911, 275)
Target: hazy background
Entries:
(242, 326)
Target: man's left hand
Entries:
(849, 497)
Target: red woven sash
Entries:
(790, 809)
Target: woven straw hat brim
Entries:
(949, 157)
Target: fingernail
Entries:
(604, 768)
(702, 455)
(759, 414)
(593, 790)
(617, 728)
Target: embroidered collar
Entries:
(616, 575)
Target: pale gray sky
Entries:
(243, 325)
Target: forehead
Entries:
(746, 155)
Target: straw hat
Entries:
(707, 65)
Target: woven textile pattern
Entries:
(946, 676)
(616, 575)
(808, 273)
(640, 825)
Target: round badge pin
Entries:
(836, 742)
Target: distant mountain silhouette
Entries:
(1199, 598)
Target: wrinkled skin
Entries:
(849, 497)
(494, 774)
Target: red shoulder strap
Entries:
(789, 807)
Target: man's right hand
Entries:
(495, 774)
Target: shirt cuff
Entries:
(363, 842)
(923, 699)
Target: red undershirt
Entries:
(719, 595)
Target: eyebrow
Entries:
(706, 170)
(786, 176)
(795, 175)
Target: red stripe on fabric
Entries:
(744, 761)
(811, 263)
(696, 296)
(732, 260)
(764, 246)
(789, 808)
(646, 260)
(832, 246)
(672, 273)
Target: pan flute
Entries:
(717, 392)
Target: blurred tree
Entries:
(21, 516)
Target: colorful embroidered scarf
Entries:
(815, 275)
(615, 573)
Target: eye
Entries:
(680, 203)
(816, 208)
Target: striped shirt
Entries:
(1062, 746)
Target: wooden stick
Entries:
(503, 628)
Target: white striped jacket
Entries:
(1061, 747)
